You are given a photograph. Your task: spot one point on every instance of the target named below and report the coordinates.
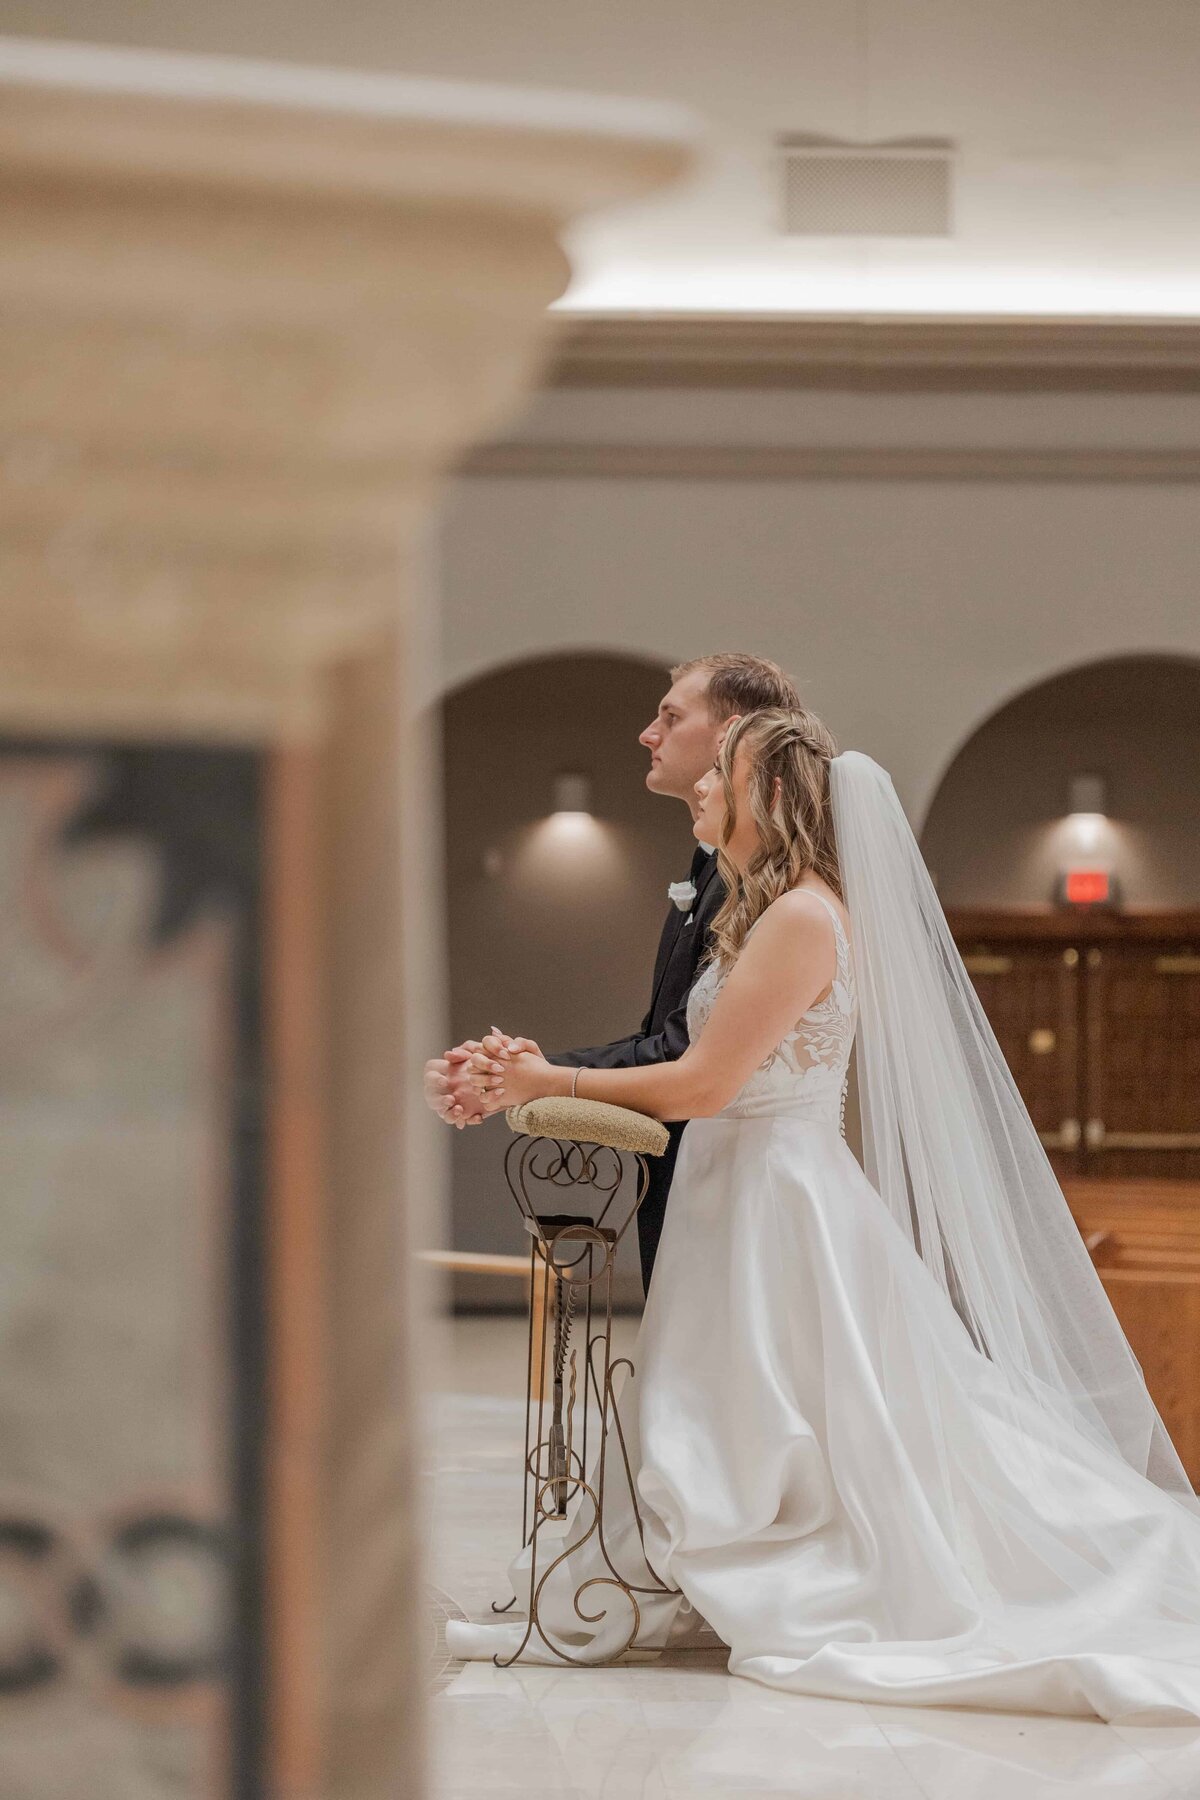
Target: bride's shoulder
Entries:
(800, 911)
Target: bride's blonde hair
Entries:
(795, 827)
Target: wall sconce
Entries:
(1087, 797)
(572, 797)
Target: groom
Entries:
(705, 697)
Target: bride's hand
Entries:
(504, 1073)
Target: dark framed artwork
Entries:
(132, 1270)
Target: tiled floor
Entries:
(689, 1728)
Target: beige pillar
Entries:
(248, 314)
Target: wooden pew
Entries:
(1144, 1238)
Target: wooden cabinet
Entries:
(1141, 1070)
(1098, 1017)
(1031, 994)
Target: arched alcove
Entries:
(994, 832)
(551, 926)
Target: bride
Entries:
(889, 1440)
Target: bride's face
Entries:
(710, 819)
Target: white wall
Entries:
(909, 608)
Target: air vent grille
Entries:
(865, 190)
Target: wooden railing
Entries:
(487, 1262)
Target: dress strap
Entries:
(841, 937)
(834, 914)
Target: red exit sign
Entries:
(1087, 887)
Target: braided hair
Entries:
(790, 746)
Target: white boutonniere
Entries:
(682, 894)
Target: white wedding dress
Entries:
(829, 1471)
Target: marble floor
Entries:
(686, 1727)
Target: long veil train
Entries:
(950, 1146)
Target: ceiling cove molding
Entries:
(878, 352)
(709, 462)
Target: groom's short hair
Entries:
(741, 684)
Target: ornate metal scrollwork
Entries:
(578, 1251)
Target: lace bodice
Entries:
(805, 1075)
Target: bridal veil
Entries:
(951, 1149)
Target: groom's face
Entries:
(682, 738)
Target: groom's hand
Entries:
(448, 1090)
(498, 1043)
(514, 1045)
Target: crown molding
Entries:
(756, 462)
(879, 352)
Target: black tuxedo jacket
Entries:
(663, 1036)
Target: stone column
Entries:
(248, 315)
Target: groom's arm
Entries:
(645, 1046)
(671, 1040)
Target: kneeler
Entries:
(576, 1153)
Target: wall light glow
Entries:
(559, 851)
(1086, 829)
(1087, 811)
(794, 279)
(565, 825)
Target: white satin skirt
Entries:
(837, 1481)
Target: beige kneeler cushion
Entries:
(590, 1122)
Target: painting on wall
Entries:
(131, 1366)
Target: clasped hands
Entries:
(480, 1077)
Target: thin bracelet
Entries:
(574, 1079)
